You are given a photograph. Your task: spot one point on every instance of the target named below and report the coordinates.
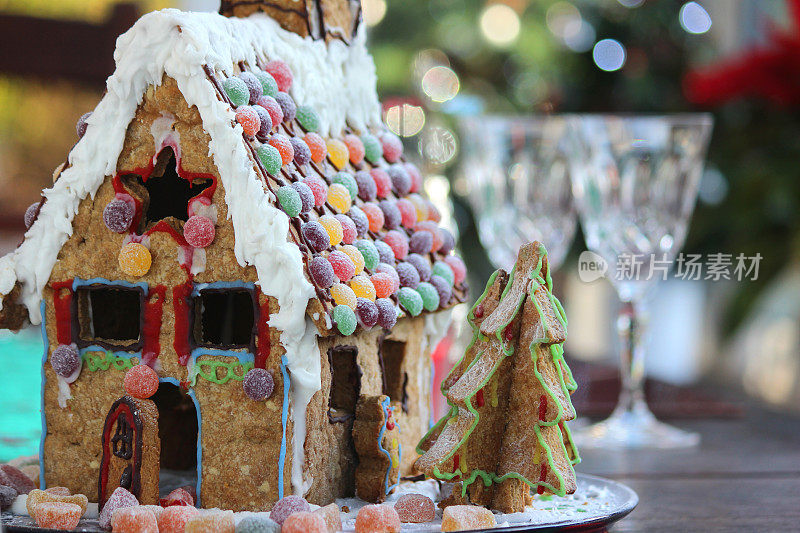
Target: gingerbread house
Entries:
(236, 217)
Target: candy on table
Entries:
(290, 200)
(369, 252)
(443, 288)
(36, 497)
(415, 508)
(173, 519)
(339, 197)
(135, 259)
(33, 211)
(337, 152)
(321, 271)
(192, 490)
(458, 267)
(349, 182)
(366, 185)
(355, 148)
(211, 521)
(237, 91)
(360, 220)
(270, 159)
(58, 515)
(304, 522)
(408, 213)
(319, 188)
(355, 256)
(430, 296)
(302, 154)
(248, 118)
(65, 360)
(117, 215)
(377, 519)
(416, 177)
(410, 300)
(401, 181)
(448, 241)
(308, 118)
(392, 146)
(253, 85)
(349, 232)
(181, 496)
(137, 519)
(199, 231)
(363, 287)
(343, 295)
(391, 215)
(398, 242)
(258, 385)
(8, 495)
(387, 313)
(385, 252)
(288, 106)
(280, 71)
(157, 510)
(420, 206)
(343, 266)
(268, 84)
(332, 516)
(467, 517)
(367, 312)
(82, 124)
(408, 275)
(433, 229)
(383, 183)
(286, 506)
(15, 478)
(374, 216)
(306, 195)
(442, 269)
(316, 235)
(284, 146)
(372, 148)
(140, 381)
(383, 284)
(386, 268)
(257, 523)
(273, 109)
(119, 498)
(332, 226)
(345, 318)
(317, 146)
(421, 264)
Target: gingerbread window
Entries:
(345, 383)
(110, 316)
(395, 379)
(225, 318)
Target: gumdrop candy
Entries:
(273, 108)
(333, 518)
(15, 478)
(360, 220)
(392, 147)
(349, 233)
(383, 284)
(458, 267)
(134, 520)
(333, 227)
(467, 517)
(316, 236)
(8, 495)
(199, 231)
(32, 212)
(253, 85)
(281, 142)
(370, 253)
(290, 200)
(286, 506)
(288, 106)
(387, 313)
(421, 264)
(345, 319)
(448, 241)
(343, 295)
(65, 360)
(421, 242)
(415, 508)
(401, 181)
(416, 177)
(211, 522)
(117, 215)
(321, 272)
(433, 229)
(119, 498)
(82, 124)
(391, 215)
(398, 243)
(374, 216)
(391, 271)
(408, 213)
(363, 287)
(433, 212)
(420, 207)
(342, 265)
(135, 259)
(383, 183)
(367, 312)
(355, 147)
(268, 84)
(337, 152)
(410, 300)
(36, 497)
(157, 510)
(347, 179)
(443, 269)
(140, 381)
(58, 491)
(248, 118)
(408, 275)
(264, 121)
(372, 148)
(258, 385)
(257, 523)
(270, 159)
(306, 195)
(173, 519)
(319, 188)
(317, 146)
(385, 252)
(280, 71)
(339, 197)
(443, 288)
(302, 154)
(366, 185)
(377, 519)
(355, 256)
(430, 296)
(308, 118)
(304, 522)
(58, 515)
(237, 91)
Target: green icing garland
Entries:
(107, 360)
(211, 374)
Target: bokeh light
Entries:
(438, 145)
(440, 83)
(631, 3)
(694, 18)
(609, 55)
(405, 119)
(563, 19)
(500, 24)
(373, 11)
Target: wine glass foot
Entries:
(637, 428)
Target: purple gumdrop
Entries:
(360, 219)
(409, 277)
(65, 359)
(118, 215)
(30, 214)
(391, 214)
(367, 190)
(421, 264)
(266, 123)
(387, 313)
(316, 236)
(421, 242)
(448, 242)
(367, 312)
(288, 106)
(443, 288)
(401, 181)
(288, 505)
(253, 85)
(82, 124)
(385, 252)
(306, 195)
(322, 272)
(302, 153)
(258, 384)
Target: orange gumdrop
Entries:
(135, 259)
(141, 381)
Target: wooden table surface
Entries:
(744, 476)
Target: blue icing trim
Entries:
(284, 420)
(222, 285)
(46, 343)
(386, 407)
(191, 394)
(243, 357)
(77, 282)
(120, 354)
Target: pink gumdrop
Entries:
(199, 231)
(273, 109)
(119, 499)
(138, 519)
(408, 213)
(288, 505)
(319, 188)
(383, 183)
(458, 266)
(398, 242)
(349, 232)
(416, 177)
(282, 74)
(304, 522)
(377, 519)
(58, 515)
(415, 508)
(392, 147)
(173, 519)
(177, 497)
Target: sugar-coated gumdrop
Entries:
(317, 146)
(355, 256)
(409, 277)
(392, 147)
(448, 241)
(383, 183)
(304, 522)
(288, 106)
(415, 508)
(321, 271)
(270, 158)
(333, 518)
(268, 84)
(36, 497)
(316, 235)
(211, 522)
(80, 127)
(416, 177)
(432, 228)
(319, 188)
(385, 252)
(360, 220)
(15, 478)
(408, 213)
(367, 312)
(387, 313)
(374, 216)
(273, 108)
(237, 91)
(253, 86)
(306, 195)
(247, 117)
(429, 294)
(467, 517)
(355, 148)
(333, 227)
(363, 287)
(421, 264)
(280, 71)
(264, 121)
(290, 200)
(370, 253)
(119, 498)
(391, 215)
(345, 318)
(157, 510)
(141, 381)
(258, 385)
(65, 359)
(443, 269)
(8, 495)
(302, 154)
(377, 519)
(372, 148)
(179, 496)
(349, 232)
(58, 515)
(386, 268)
(33, 211)
(383, 284)
(410, 300)
(308, 118)
(257, 523)
(398, 241)
(137, 519)
(342, 266)
(443, 288)
(339, 197)
(281, 142)
(135, 259)
(420, 242)
(347, 179)
(433, 213)
(401, 181)
(458, 267)
(199, 231)
(420, 206)
(117, 215)
(58, 491)
(343, 295)
(366, 185)
(173, 519)
(337, 153)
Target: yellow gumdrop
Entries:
(333, 227)
(363, 287)
(355, 256)
(338, 153)
(339, 197)
(135, 259)
(420, 205)
(343, 295)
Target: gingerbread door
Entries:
(376, 436)
(131, 450)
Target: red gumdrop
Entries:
(199, 231)
(174, 518)
(284, 146)
(282, 74)
(383, 182)
(248, 118)
(141, 381)
(458, 266)
(398, 242)
(342, 265)
(286, 506)
(383, 283)
(392, 147)
(138, 519)
(377, 519)
(319, 188)
(349, 232)
(273, 109)
(317, 146)
(416, 177)
(177, 497)
(408, 213)
(415, 508)
(304, 522)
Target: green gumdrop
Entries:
(257, 524)
(349, 183)
(308, 118)
(373, 150)
(236, 90)
(410, 300)
(270, 157)
(443, 269)
(370, 253)
(345, 319)
(290, 200)
(430, 296)
(268, 83)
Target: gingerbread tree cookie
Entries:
(509, 396)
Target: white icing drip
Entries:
(64, 392)
(8, 277)
(164, 135)
(198, 261)
(305, 382)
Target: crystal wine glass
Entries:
(635, 182)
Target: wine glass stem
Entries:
(631, 325)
